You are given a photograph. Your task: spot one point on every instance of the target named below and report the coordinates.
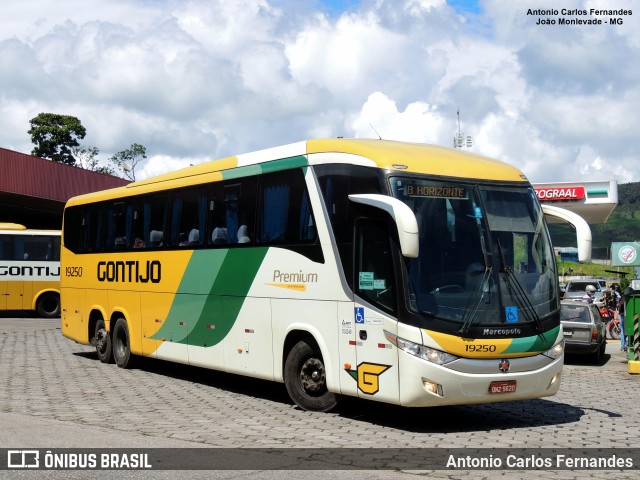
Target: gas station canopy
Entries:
(593, 201)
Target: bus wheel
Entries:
(306, 379)
(122, 344)
(103, 342)
(48, 305)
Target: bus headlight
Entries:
(556, 350)
(429, 354)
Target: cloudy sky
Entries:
(195, 80)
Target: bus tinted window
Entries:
(270, 209)
(232, 212)
(285, 210)
(337, 182)
(189, 217)
(148, 221)
(6, 247)
(116, 227)
(40, 247)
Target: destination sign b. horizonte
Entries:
(321, 459)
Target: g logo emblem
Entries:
(367, 375)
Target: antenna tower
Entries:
(459, 140)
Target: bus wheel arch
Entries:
(121, 342)
(48, 304)
(305, 374)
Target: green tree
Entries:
(55, 135)
(87, 158)
(127, 160)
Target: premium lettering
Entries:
(295, 277)
(130, 271)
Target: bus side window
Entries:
(188, 217)
(116, 227)
(374, 272)
(284, 213)
(6, 247)
(337, 182)
(232, 220)
(36, 248)
(155, 221)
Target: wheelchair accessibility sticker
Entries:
(511, 314)
(359, 314)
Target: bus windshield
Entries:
(485, 255)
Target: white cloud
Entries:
(199, 79)
(419, 122)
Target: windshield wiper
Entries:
(469, 314)
(529, 310)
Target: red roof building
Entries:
(33, 190)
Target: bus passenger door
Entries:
(374, 312)
(347, 341)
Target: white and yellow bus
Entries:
(29, 269)
(403, 273)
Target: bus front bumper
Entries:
(423, 384)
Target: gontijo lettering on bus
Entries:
(132, 271)
(29, 272)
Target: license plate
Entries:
(568, 334)
(508, 386)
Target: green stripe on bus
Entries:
(267, 167)
(537, 343)
(211, 294)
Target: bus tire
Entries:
(103, 342)
(121, 342)
(305, 378)
(48, 305)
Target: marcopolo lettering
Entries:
(132, 271)
(501, 331)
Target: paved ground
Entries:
(55, 393)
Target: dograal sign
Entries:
(560, 193)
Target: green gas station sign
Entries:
(625, 254)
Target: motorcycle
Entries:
(612, 322)
(613, 327)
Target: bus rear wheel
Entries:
(306, 379)
(103, 342)
(48, 305)
(122, 344)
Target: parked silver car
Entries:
(584, 330)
